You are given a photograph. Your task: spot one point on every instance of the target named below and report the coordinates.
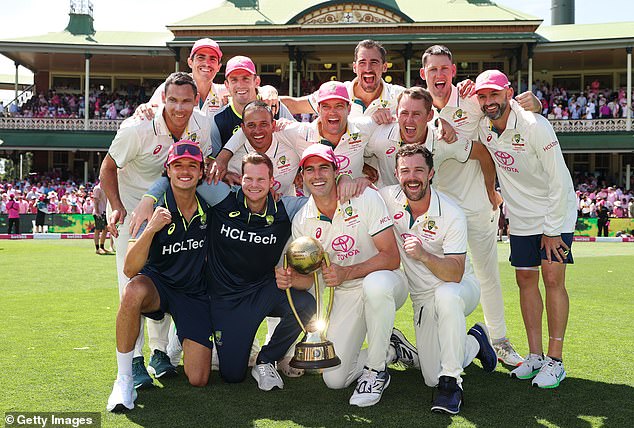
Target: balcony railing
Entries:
(56, 124)
(37, 124)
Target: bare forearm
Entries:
(297, 105)
(446, 269)
(137, 254)
(110, 183)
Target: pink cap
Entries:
(206, 43)
(240, 63)
(320, 150)
(492, 79)
(333, 90)
(184, 149)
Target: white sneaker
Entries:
(370, 387)
(550, 375)
(506, 354)
(174, 347)
(122, 396)
(529, 368)
(267, 377)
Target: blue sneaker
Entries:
(160, 365)
(486, 355)
(448, 398)
(141, 378)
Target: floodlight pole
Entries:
(16, 81)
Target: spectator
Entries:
(13, 209)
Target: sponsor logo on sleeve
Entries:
(157, 149)
(318, 233)
(551, 145)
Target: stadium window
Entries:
(568, 82)
(68, 84)
(605, 80)
(467, 70)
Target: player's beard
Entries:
(496, 114)
(418, 194)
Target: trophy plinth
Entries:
(305, 255)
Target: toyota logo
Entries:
(504, 158)
(342, 161)
(343, 243)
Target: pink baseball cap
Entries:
(333, 90)
(206, 43)
(240, 63)
(492, 79)
(320, 150)
(184, 149)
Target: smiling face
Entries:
(319, 176)
(256, 182)
(204, 64)
(180, 101)
(184, 173)
(438, 71)
(369, 67)
(258, 125)
(414, 176)
(494, 103)
(333, 116)
(412, 119)
(242, 86)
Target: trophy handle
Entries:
(332, 297)
(290, 301)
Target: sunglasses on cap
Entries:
(192, 149)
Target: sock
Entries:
(96, 246)
(559, 360)
(101, 246)
(124, 363)
(501, 340)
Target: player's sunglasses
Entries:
(192, 149)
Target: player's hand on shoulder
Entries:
(145, 111)
(383, 116)
(281, 124)
(142, 213)
(466, 88)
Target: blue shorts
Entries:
(191, 312)
(526, 251)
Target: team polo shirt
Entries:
(178, 250)
(140, 151)
(442, 231)
(347, 237)
(387, 99)
(386, 140)
(244, 246)
(463, 181)
(209, 106)
(535, 180)
(284, 157)
(227, 120)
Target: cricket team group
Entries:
(209, 183)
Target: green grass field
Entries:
(57, 353)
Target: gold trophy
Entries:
(314, 351)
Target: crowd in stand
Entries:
(48, 193)
(593, 194)
(592, 103)
(101, 104)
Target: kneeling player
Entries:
(432, 233)
(166, 265)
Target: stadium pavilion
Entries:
(294, 43)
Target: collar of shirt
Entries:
(454, 100)
(170, 204)
(270, 209)
(511, 121)
(383, 99)
(160, 127)
(313, 212)
(433, 210)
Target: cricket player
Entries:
(166, 267)
(464, 183)
(431, 232)
(135, 159)
(541, 201)
(364, 269)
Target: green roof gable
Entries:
(587, 32)
(105, 38)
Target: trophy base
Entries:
(319, 355)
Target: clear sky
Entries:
(36, 17)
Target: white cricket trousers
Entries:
(366, 310)
(444, 348)
(482, 229)
(158, 331)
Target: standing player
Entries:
(368, 91)
(464, 183)
(431, 231)
(537, 187)
(364, 269)
(135, 160)
(166, 264)
(204, 61)
(99, 215)
(248, 231)
(242, 82)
